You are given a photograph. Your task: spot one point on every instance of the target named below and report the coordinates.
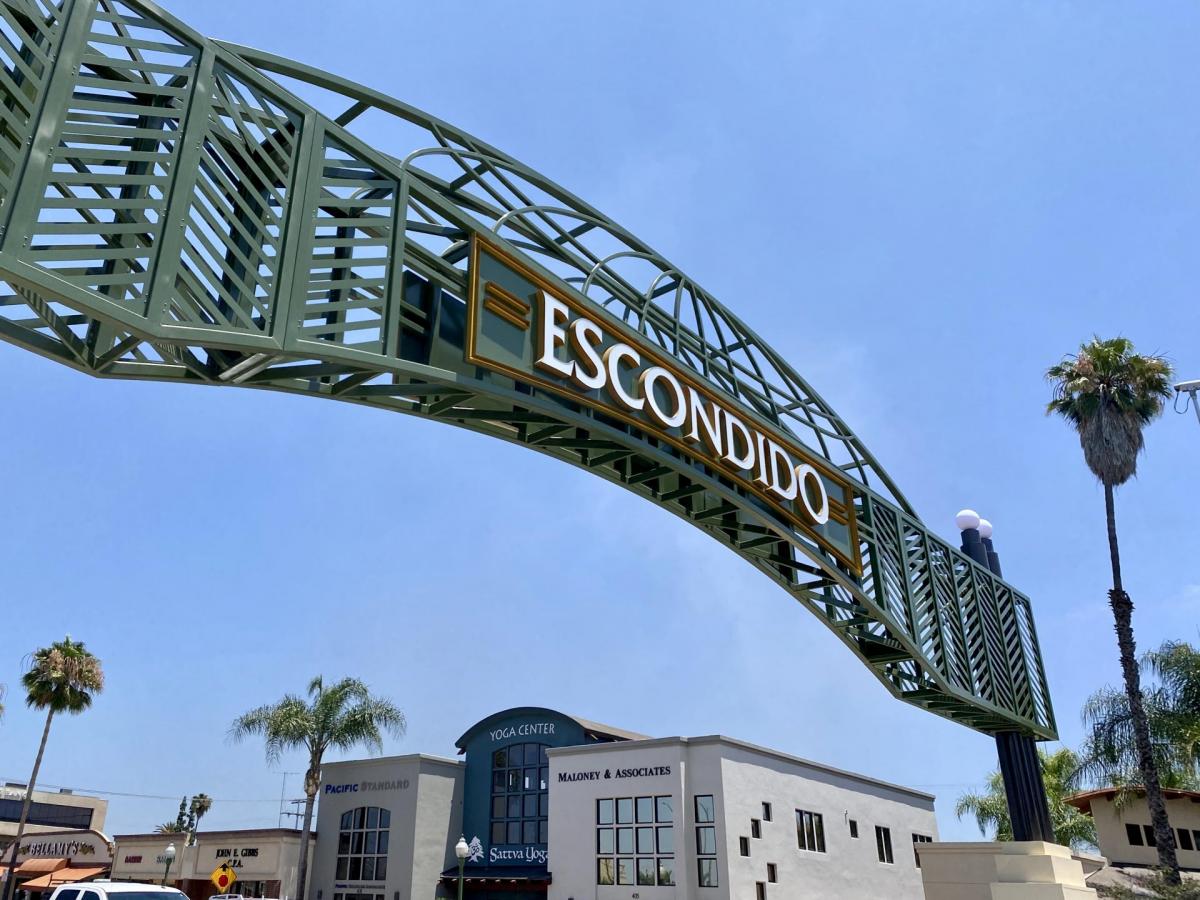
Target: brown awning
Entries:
(40, 866)
(51, 880)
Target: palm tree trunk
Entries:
(11, 881)
(312, 782)
(1122, 608)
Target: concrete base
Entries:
(1014, 870)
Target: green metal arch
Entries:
(183, 209)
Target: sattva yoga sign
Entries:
(525, 326)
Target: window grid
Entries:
(919, 839)
(706, 841)
(772, 873)
(635, 841)
(766, 812)
(755, 829)
(760, 890)
(810, 831)
(363, 844)
(883, 844)
(744, 846)
(520, 795)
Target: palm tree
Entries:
(62, 678)
(1109, 394)
(342, 716)
(1071, 827)
(1110, 757)
(201, 803)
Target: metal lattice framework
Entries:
(173, 210)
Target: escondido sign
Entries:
(526, 326)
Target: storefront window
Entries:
(520, 797)
(363, 844)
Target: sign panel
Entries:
(537, 331)
(86, 847)
(223, 878)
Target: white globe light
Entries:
(461, 850)
(985, 528)
(967, 518)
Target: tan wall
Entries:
(1114, 842)
(98, 807)
(270, 855)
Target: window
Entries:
(1185, 840)
(1196, 838)
(54, 815)
(363, 844)
(772, 873)
(853, 828)
(760, 890)
(605, 871)
(810, 831)
(706, 841)
(520, 800)
(635, 841)
(883, 844)
(755, 829)
(1149, 832)
(766, 816)
(919, 839)
(744, 846)
(1134, 833)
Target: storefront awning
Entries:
(500, 875)
(51, 880)
(40, 866)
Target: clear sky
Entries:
(921, 205)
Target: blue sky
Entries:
(921, 205)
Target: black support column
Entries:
(1028, 809)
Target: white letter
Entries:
(711, 424)
(821, 514)
(779, 455)
(733, 423)
(586, 349)
(551, 334)
(612, 359)
(675, 389)
(760, 470)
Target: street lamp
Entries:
(169, 856)
(461, 850)
(1024, 789)
(1191, 388)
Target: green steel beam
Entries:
(176, 208)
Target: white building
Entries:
(560, 807)
(718, 818)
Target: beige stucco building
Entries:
(49, 811)
(265, 860)
(1126, 838)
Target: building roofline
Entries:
(407, 757)
(594, 728)
(754, 748)
(1083, 800)
(220, 833)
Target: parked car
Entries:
(115, 890)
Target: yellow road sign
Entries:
(223, 877)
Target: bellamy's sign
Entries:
(535, 331)
(75, 846)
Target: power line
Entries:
(80, 790)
